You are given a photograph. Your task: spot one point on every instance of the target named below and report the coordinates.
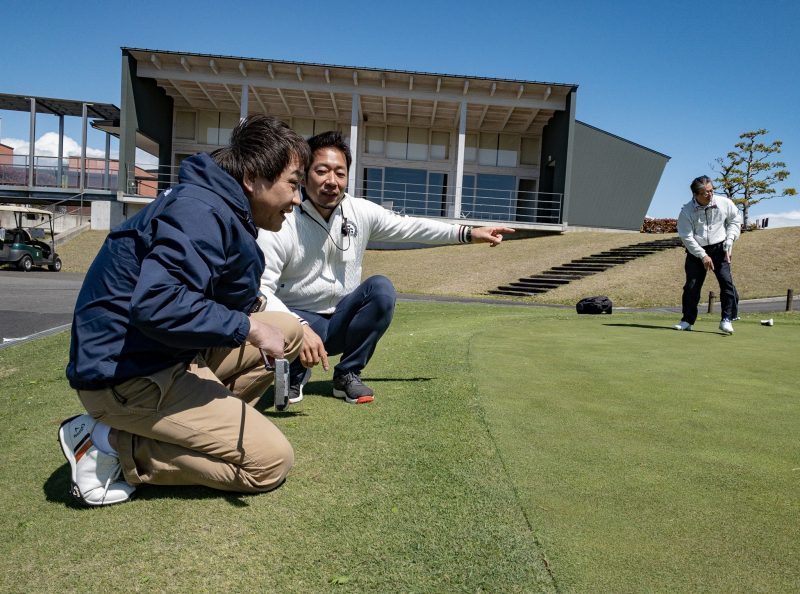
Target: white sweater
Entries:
(699, 227)
(311, 265)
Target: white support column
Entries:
(243, 102)
(108, 158)
(84, 121)
(61, 183)
(355, 117)
(462, 135)
(32, 145)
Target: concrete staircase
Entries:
(586, 266)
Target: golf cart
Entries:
(23, 238)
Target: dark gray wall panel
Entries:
(613, 180)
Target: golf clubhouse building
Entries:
(460, 148)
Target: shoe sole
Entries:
(360, 400)
(73, 465)
(303, 382)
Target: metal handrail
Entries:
(46, 172)
(479, 203)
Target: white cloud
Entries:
(47, 146)
(781, 219)
(20, 146)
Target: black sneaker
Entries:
(350, 387)
(296, 390)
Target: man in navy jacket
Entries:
(167, 336)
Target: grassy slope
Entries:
(78, 253)
(764, 265)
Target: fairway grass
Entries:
(403, 495)
(508, 450)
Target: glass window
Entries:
(526, 201)
(440, 145)
(227, 122)
(373, 182)
(494, 195)
(304, 127)
(529, 151)
(467, 196)
(417, 144)
(507, 150)
(470, 148)
(487, 149)
(185, 124)
(396, 142)
(437, 194)
(208, 127)
(406, 188)
(374, 141)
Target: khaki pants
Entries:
(194, 424)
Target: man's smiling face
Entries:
(327, 178)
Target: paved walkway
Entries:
(768, 304)
(35, 304)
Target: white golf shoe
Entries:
(95, 476)
(726, 326)
(683, 326)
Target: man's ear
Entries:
(248, 184)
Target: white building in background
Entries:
(469, 149)
(462, 148)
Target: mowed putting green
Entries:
(648, 459)
(509, 450)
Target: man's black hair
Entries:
(330, 139)
(699, 183)
(261, 146)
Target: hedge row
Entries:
(660, 226)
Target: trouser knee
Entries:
(291, 328)
(382, 292)
(272, 473)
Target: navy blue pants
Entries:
(696, 275)
(354, 328)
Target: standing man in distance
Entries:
(708, 225)
(166, 350)
(313, 269)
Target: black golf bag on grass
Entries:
(594, 305)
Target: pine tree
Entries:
(748, 176)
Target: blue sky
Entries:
(684, 78)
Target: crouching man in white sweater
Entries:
(313, 269)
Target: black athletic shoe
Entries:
(296, 390)
(350, 387)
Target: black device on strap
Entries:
(345, 228)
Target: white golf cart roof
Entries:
(25, 209)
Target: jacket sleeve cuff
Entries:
(240, 335)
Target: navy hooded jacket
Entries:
(178, 277)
